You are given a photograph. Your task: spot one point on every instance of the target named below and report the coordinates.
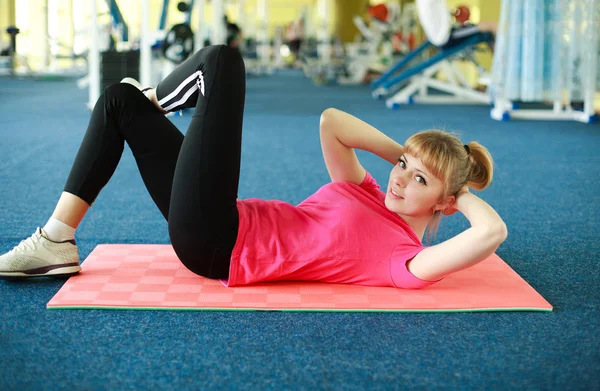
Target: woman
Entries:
(347, 232)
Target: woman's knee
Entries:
(120, 95)
(120, 90)
(212, 54)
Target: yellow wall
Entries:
(344, 13)
(30, 20)
(7, 18)
(7, 13)
(489, 10)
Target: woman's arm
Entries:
(466, 249)
(341, 133)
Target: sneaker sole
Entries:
(133, 82)
(55, 272)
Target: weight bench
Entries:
(418, 79)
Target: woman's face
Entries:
(412, 190)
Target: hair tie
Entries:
(467, 149)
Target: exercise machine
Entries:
(411, 80)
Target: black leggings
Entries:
(192, 180)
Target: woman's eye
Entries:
(421, 180)
(401, 163)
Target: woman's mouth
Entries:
(394, 195)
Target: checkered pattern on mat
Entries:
(151, 277)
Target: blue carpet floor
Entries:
(546, 188)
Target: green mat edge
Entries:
(287, 309)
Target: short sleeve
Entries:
(369, 182)
(400, 274)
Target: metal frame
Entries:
(421, 77)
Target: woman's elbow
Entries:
(499, 232)
(324, 119)
(330, 114)
(329, 111)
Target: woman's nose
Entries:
(400, 180)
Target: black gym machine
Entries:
(179, 41)
(10, 52)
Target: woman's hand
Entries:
(451, 209)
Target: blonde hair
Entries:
(455, 164)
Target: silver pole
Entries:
(591, 57)
(72, 43)
(263, 35)
(219, 35)
(241, 14)
(93, 58)
(200, 27)
(324, 47)
(146, 47)
(45, 37)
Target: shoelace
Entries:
(28, 243)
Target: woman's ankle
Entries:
(58, 231)
(70, 209)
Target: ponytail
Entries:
(481, 166)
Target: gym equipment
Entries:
(547, 51)
(7, 56)
(387, 36)
(13, 32)
(11, 62)
(178, 43)
(183, 6)
(323, 61)
(116, 65)
(55, 54)
(374, 51)
(118, 21)
(414, 83)
(233, 32)
(462, 14)
(371, 51)
(319, 55)
(149, 276)
(379, 12)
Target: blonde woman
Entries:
(349, 231)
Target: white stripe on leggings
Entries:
(181, 101)
(185, 83)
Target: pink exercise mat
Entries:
(150, 277)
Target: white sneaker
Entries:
(39, 256)
(133, 82)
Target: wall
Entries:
(7, 18)
(345, 10)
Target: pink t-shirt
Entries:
(343, 233)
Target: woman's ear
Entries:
(445, 204)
